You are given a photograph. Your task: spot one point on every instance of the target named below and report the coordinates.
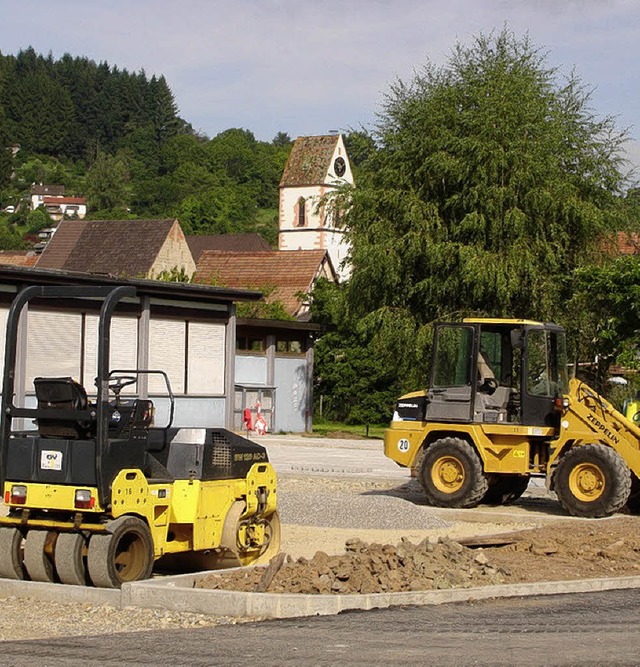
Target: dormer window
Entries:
(302, 212)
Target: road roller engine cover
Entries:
(98, 495)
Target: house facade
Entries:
(126, 248)
(59, 208)
(317, 166)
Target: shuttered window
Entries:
(205, 372)
(53, 345)
(123, 353)
(167, 352)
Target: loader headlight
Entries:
(561, 403)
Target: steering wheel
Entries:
(489, 385)
(117, 384)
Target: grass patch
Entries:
(331, 429)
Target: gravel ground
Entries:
(317, 513)
(28, 619)
(355, 507)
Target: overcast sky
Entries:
(310, 66)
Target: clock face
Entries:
(339, 166)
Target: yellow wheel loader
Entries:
(96, 495)
(500, 409)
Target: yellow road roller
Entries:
(96, 494)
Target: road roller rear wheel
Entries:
(38, 555)
(70, 559)
(272, 539)
(126, 554)
(11, 565)
(236, 553)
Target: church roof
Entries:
(309, 160)
(249, 242)
(290, 273)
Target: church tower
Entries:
(316, 166)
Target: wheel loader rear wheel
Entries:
(592, 481)
(451, 474)
(11, 550)
(126, 554)
(38, 555)
(505, 489)
(70, 559)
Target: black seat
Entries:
(63, 394)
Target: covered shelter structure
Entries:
(189, 331)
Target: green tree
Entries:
(357, 382)
(38, 219)
(604, 315)
(491, 181)
(10, 239)
(220, 210)
(107, 182)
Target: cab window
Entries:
(452, 361)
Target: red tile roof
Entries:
(18, 257)
(125, 248)
(227, 242)
(309, 161)
(627, 243)
(290, 272)
(65, 200)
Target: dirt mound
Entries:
(371, 568)
(565, 550)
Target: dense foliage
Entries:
(491, 183)
(116, 138)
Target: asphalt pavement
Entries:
(330, 457)
(564, 630)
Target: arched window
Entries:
(302, 212)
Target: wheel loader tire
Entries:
(592, 481)
(451, 474)
(38, 555)
(11, 565)
(126, 554)
(633, 501)
(70, 559)
(505, 489)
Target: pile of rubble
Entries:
(368, 568)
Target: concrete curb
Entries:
(177, 593)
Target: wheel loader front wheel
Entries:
(592, 481)
(451, 474)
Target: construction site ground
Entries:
(335, 492)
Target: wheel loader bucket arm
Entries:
(590, 418)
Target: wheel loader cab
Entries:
(497, 371)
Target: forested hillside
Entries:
(116, 137)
